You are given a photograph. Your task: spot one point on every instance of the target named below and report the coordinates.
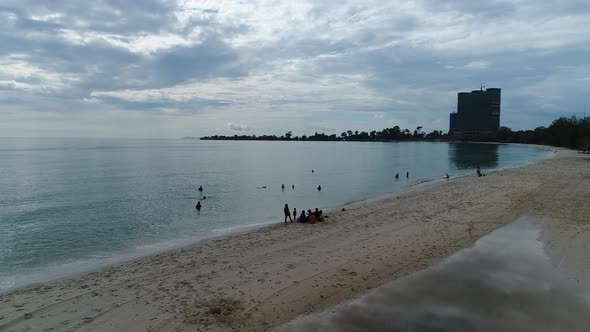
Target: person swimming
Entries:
(292, 186)
(198, 206)
(320, 187)
(397, 175)
(263, 187)
(283, 186)
(200, 188)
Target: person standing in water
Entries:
(292, 186)
(320, 187)
(287, 213)
(283, 187)
(198, 206)
(396, 176)
(407, 175)
(200, 188)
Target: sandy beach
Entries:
(258, 280)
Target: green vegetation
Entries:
(388, 134)
(571, 133)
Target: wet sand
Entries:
(505, 282)
(262, 279)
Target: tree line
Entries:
(388, 134)
(566, 132)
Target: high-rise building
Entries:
(478, 112)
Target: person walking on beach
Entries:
(198, 206)
(287, 213)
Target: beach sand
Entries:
(264, 278)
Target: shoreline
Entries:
(265, 277)
(129, 256)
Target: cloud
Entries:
(237, 126)
(292, 62)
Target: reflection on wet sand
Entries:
(505, 282)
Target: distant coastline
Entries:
(565, 132)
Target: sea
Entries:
(69, 206)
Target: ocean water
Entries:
(70, 205)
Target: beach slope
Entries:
(261, 279)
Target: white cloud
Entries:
(237, 126)
(348, 63)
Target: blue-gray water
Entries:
(69, 205)
(505, 282)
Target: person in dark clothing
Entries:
(198, 206)
(287, 213)
(396, 176)
(283, 187)
(200, 188)
(317, 214)
(320, 187)
(407, 175)
(302, 217)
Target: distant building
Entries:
(478, 112)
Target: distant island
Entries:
(569, 132)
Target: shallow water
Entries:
(505, 282)
(69, 205)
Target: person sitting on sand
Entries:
(322, 216)
(311, 218)
(316, 213)
(302, 217)
(287, 213)
(198, 206)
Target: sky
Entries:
(168, 69)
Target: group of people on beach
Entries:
(311, 217)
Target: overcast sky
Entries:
(190, 68)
